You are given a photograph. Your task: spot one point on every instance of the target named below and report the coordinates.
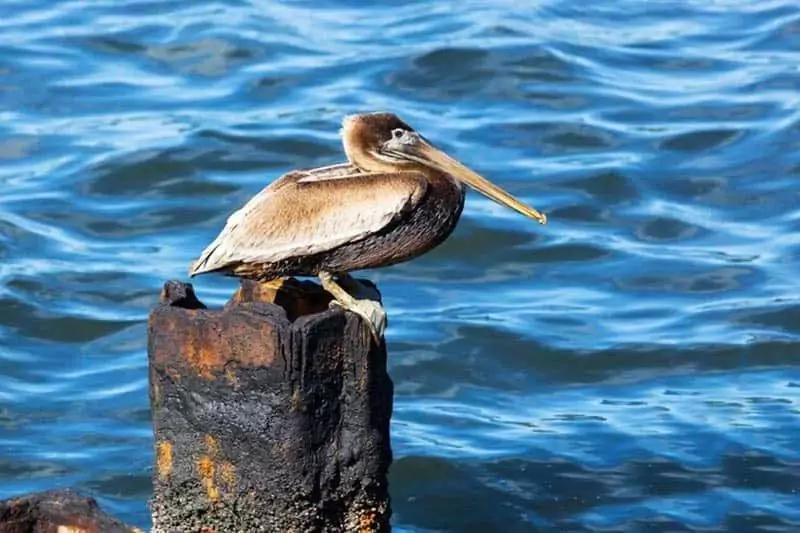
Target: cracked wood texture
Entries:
(271, 414)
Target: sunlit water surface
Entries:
(632, 366)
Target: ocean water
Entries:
(632, 366)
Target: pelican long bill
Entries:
(426, 154)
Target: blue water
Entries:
(632, 366)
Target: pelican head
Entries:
(381, 142)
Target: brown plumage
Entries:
(370, 213)
(396, 198)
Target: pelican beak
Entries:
(424, 153)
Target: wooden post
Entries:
(267, 416)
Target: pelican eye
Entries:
(397, 147)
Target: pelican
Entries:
(395, 198)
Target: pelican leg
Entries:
(359, 290)
(369, 309)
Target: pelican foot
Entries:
(370, 311)
(369, 308)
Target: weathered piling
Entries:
(57, 511)
(271, 414)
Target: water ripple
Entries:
(630, 366)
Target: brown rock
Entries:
(57, 511)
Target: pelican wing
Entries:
(305, 213)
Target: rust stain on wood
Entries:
(202, 352)
(206, 469)
(203, 359)
(164, 458)
(202, 343)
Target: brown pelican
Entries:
(396, 198)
